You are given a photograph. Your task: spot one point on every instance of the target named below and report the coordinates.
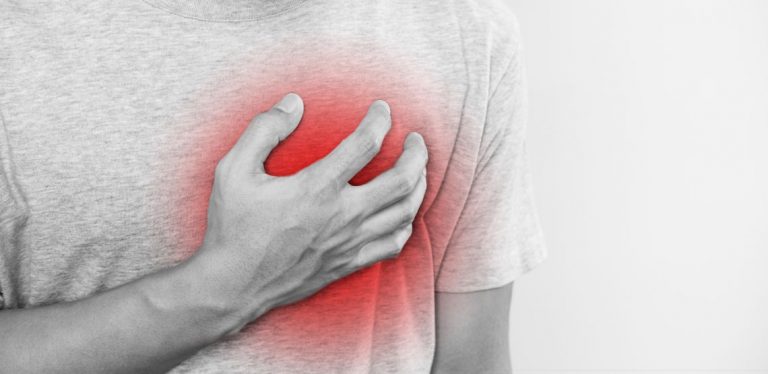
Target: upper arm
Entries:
(497, 237)
(473, 331)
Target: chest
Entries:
(116, 161)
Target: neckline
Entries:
(226, 10)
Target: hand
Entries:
(271, 241)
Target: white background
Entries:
(648, 139)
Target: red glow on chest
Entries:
(335, 101)
(322, 129)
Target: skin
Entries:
(473, 332)
(254, 257)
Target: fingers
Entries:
(383, 248)
(265, 131)
(395, 183)
(356, 150)
(394, 216)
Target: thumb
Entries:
(266, 130)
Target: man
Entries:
(158, 215)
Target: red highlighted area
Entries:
(385, 302)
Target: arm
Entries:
(473, 332)
(148, 326)
(269, 241)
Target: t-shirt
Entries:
(115, 113)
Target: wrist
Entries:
(212, 286)
(186, 293)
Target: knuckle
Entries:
(367, 143)
(269, 135)
(335, 185)
(353, 211)
(366, 256)
(341, 217)
(411, 182)
(402, 237)
(408, 213)
(274, 115)
(355, 262)
(265, 129)
(313, 180)
(328, 188)
(308, 177)
(351, 262)
(403, 184)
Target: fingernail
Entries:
(289, 103)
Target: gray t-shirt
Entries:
(115, 113)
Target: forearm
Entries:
(472, 332)
(496, 363)
(148, 325)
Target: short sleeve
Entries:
(12, 216)
(497, 237)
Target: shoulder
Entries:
(483, 23)
(491, 22)
(490, 33)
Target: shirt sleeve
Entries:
(12, 216)
(497, 237)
